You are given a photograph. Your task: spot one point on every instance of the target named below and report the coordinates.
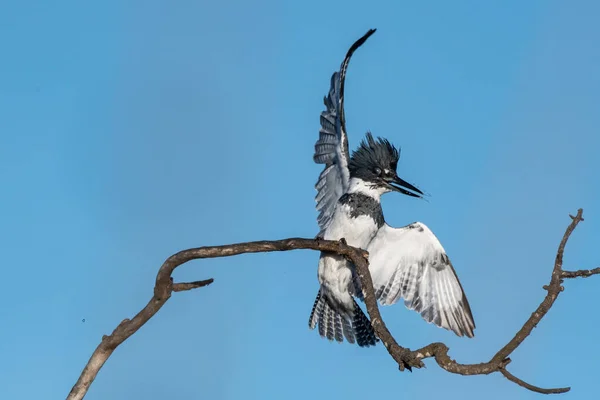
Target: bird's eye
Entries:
(377, 171)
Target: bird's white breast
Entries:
(356, 223)
(335, 272)
(358, 231)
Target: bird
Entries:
(406, 263)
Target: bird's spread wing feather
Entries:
(331, 148)
(410, 263)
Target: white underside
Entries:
(335, 274)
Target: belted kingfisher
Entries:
(408, 262)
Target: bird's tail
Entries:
(333, 324)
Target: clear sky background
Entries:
(134, 129)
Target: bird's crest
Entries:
(372, 154)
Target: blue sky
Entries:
(131, 130)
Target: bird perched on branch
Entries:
(408, 262)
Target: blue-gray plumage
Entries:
(408, 262)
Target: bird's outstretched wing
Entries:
(410, 263)
(331, 148)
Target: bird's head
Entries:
(375, 162)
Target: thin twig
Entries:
(582, 273)
(180, 287)
(529, 386)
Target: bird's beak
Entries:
(400, 185)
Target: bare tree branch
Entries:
(413, 359)
(181, 287)
(583, 273)
(405, 358)
(164, 287)
(526, 385)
